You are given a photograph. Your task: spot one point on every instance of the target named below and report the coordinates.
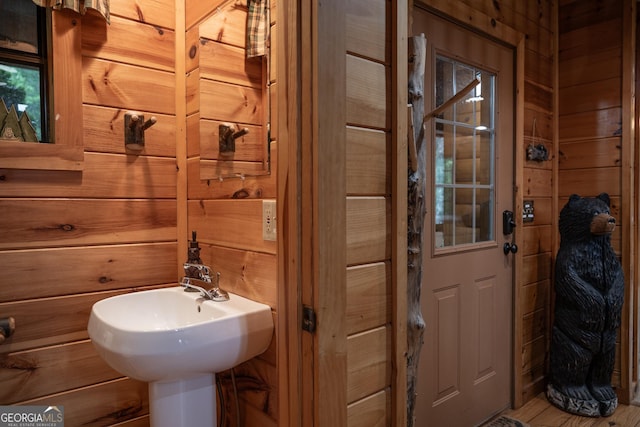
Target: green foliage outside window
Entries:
(20, 87)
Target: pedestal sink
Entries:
(176, 341)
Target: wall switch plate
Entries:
(269, 220)
(527, 211)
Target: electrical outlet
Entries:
(269, 220)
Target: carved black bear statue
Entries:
(589, 288)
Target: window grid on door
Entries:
(463, 157)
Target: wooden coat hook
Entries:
(134, 127)
(227, 136)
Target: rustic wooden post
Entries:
(416, 214)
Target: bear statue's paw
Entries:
(602, 393)
(607, 398)
(608, 407)
(589, 407)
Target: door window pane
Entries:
(463, 158)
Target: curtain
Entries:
(80, 6)
(257, 27)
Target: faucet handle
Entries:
(205, 271)
(218, 294)
(202, 271)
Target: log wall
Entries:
(72, 238)
(591, 110)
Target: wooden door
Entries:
(465, 366)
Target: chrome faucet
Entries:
(202, 281)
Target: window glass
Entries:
(23, 67)
(463, 158)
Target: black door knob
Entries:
(510, 247)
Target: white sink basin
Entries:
(176, 341)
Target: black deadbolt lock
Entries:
(508, 223)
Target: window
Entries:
(463, 158)
(24, 69)
(65, 62)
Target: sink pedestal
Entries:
(184, 403)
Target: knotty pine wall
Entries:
(535, 20)
(69, 239)
(590, 107)
(223, 86)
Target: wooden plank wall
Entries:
(590, 107)
(533, 19)
(227, 213)
(368, 310)
(69, 239)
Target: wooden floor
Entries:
(540, 413)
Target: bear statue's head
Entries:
(582, 217)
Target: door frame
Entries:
(311, 263)
(477, 21)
